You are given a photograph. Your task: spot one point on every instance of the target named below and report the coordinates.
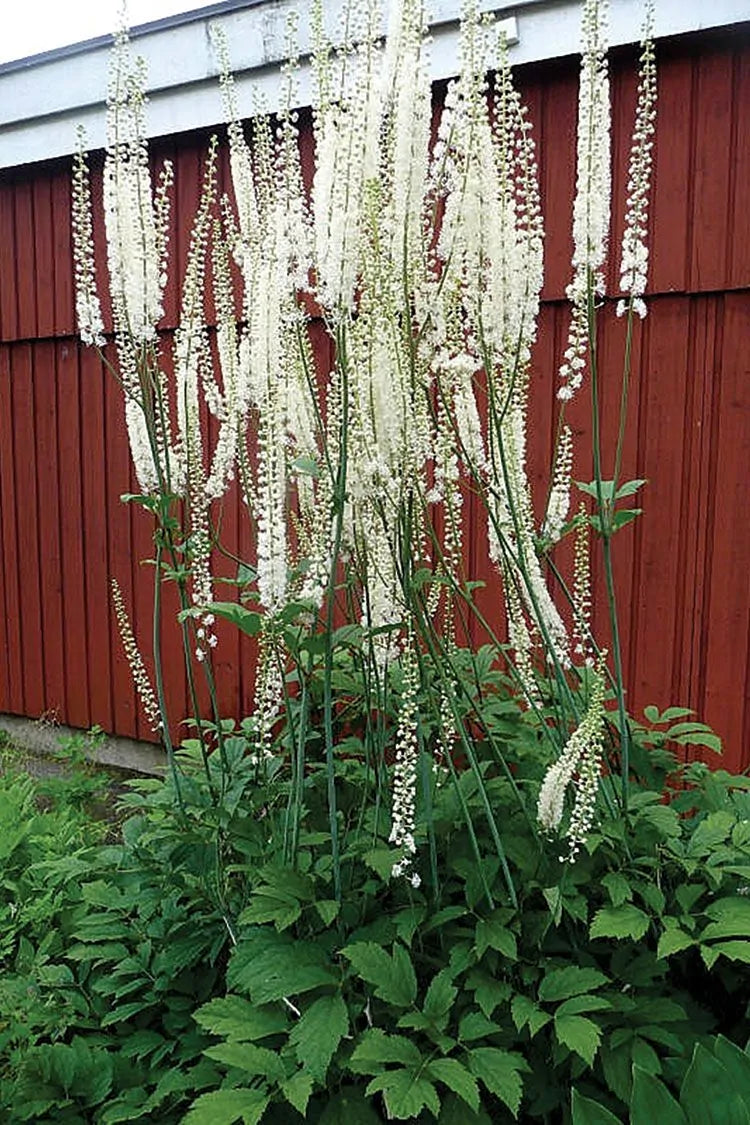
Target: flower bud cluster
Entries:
(88, 308)
(591, 207)
(137, 668)
(579, 764)
(403, 815)
(634, 257)
(559, 497)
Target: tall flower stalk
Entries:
(420, 246)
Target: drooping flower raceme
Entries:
(591, 208)
(88, 307)
(634, 256)
(578, 765)
(135, 661)
(405, 770)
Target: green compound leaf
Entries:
(224, 1107)
(405, 1093)
(490, 934)
(297, 1090)
(318, 1033)
(393, 976)
(524, 1011)
(578, 1034)
(251, 1060)
(375, 1049)
(271, 966)
(619, 922)
(238, 1019)
(561, 984)
(499, 1071)
(457, 1078)
(673, 940)
(439, 999)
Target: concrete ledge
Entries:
(42, 739)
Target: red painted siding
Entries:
(682, 571)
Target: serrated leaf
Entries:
(405, 1093)
(271, 907)
(731, 918)
(578, 1034)
(327, 909)
(457, 1078)
(125, 1011)
(629, 488)
(499, 1072)
(732, 950)
(488, 992)
(578, 1004)
(673, 940)
(490, 934)
(375, 1049)
(475, 1025)
(271, 966)
(297, 1090)
(619, 922)
(393, 976)
(439, 999)
(618, 888)
(408, 921)
(585, 1111)
(235, 1018)
(710, 832)
(561, 984)
(318, 1033)
(224, 1107)
(252, 1060)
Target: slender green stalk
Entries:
(605, 509)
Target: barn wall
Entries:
(682, 571)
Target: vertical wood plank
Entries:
(63, 294)
(726, 614)
(74, 555)
(738, 226)
(44, 256)
(10, 607)
(27, 518)
(50, 554)
(673, 174)
(8, 264)
(25, 260)
(712, 152)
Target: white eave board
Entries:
(45, 97)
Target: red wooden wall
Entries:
(683, 570)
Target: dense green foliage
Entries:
(201, 969)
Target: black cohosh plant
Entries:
(421, 248)
(436, 881)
